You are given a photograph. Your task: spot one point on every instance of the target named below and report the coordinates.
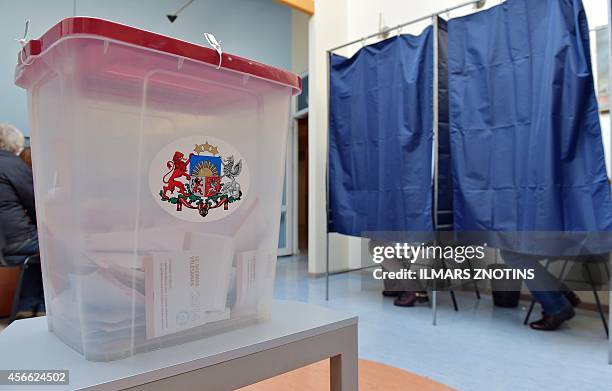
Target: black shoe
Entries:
(391, 293)
(551, 322)
(409, 299)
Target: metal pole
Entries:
(329, 54)
(610, 117)
(478, 3)
(434, 23)
(182, 7)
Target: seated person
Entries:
(406, 292)
(557, 300)
(18, 217)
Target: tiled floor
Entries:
(481, 347)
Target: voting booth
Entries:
(158, 171)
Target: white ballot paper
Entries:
(187, 289)
(254, 269)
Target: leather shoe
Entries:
(410, 298)
(551, 322)
(386, 293)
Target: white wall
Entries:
(299, 41)
(327, 28)
(256, 29)
(334, 23)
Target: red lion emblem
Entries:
(178, 169)
(197, 185)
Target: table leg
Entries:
(344, 370)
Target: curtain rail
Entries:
(478, 3)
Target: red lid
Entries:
(162, 43)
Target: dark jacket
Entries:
(17, 211)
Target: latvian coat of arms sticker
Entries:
(199, 179)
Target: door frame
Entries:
(291, 172)
(288, 207)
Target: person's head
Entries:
(11, 139)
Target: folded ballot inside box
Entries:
(97, 308)
(186, 289)
(186, 273)
(141, 297)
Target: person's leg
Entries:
(30, 297)
(408, 292)
(543, 281)
(552, 302)
(545, 288)
(37, 281)
(31, 300)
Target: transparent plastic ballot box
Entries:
(158, 171)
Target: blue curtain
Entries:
(526, 145)
(381, 137)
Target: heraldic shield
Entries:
(205, 174)
(203, 180)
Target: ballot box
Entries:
(158, 172)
